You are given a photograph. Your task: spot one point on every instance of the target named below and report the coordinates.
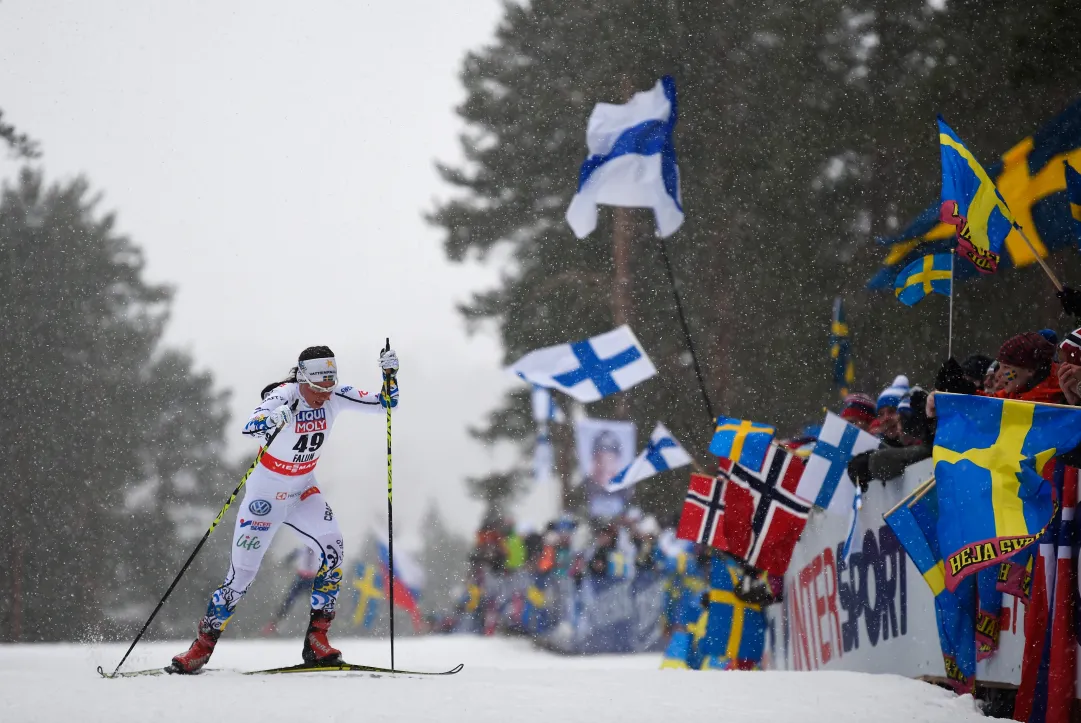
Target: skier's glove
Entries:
(388, 362)
(280, 416)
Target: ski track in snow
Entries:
(503, 681)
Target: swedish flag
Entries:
(1073, 196)
(988, 457)
(677, 652)
(369, 588)
(931, 274)
(844, 371)
(915, 523)
(735, 633)
(972, 203)
(1030, 179)
(741, 441)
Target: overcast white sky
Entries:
(273, 160)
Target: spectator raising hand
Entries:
(1069, 368)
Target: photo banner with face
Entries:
(604, 447)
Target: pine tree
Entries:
(105, 431)
(806, 130)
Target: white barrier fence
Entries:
(874, 614)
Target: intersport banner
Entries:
(873, 613)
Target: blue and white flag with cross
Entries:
(825, 478)
(632, 161)
(663, 453)
(589, 370)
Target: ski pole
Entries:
(198, 547)
(390, 510)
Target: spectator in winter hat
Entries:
(859, 410)
(887, 424)
(1069, 367)
(993, 381)
(917, 443)
(1028, 370)
(892, 395)
(976, 367)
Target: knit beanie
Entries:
(1050, 335)
(1070, 347)
(892, 395)
(858, 407)
(1027, 351)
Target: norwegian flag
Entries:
(763, 516)
(1049, 663)
(703, 511)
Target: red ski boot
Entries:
(199, 652)
(317, 649)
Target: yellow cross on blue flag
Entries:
(1029, 177)
(915, 523)
(1073, 194)
(741, 441)
(989, 455)
(971, 203)
(844, 371)
(735, 633)
(931, 274)
(369, 587)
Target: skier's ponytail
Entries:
(292, 377)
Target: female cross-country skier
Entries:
(282, 492)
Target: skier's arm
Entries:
(260, 424)
(353, 398)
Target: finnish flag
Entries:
(589, 370)
(663, 453)
(632, 161)
(825, 478)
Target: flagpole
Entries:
(1047, 269)
(953, 288)
(686, 331)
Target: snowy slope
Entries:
(504, 681)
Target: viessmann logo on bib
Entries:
(311, 420)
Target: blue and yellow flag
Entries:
(989, 454)
(915, 523)
(369, 588)
(971, 203)
(741, 441)
(735, 634)
(931, 274)
(1073, 196)
(678, 651)
(844, 371)
(1029, 176)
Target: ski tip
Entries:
(456, 669)
(102, 673)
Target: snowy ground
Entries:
(504, 681)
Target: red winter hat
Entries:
(1027, 351)
(858, 407)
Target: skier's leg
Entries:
(314, 522)
(258, 520)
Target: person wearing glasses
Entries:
(282, 492)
